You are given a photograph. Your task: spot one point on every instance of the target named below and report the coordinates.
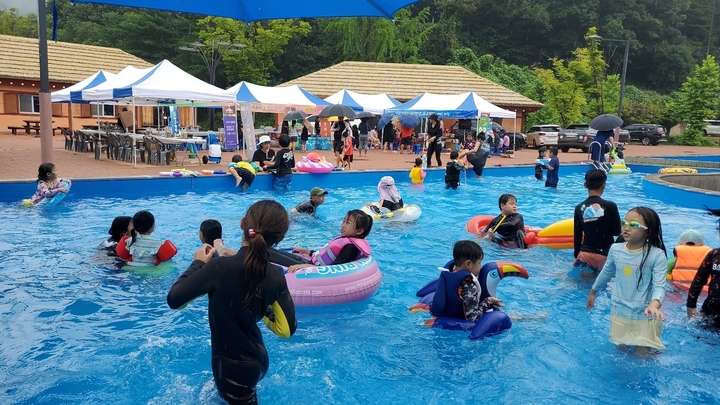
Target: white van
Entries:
(712, 128)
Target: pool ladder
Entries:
(598, 164)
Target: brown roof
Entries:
(67, 62)
(406, 81)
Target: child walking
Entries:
(638, 265)
(347, 151)
(242, 290)
(553, 168)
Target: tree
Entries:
(564, 94)
(12, 23)
(263, 41)
(699, 100)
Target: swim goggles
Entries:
(632, 224)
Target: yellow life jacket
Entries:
(688, 260)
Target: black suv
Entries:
(580, 136)
(647, 134)
(517, 142)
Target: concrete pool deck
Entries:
(20, 158)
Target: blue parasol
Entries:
(409, 121)
(384, 120)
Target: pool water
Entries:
(75, 330)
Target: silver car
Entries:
(543, 135)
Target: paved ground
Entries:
(20, 157)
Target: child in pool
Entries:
(284, 164)
(468, 257)
(121, 226)
(708, 269)
(689, 254)
(638, 265)
(142, 247)
(541, 161)
(417, 174)
(553, 168)
(49, 185)
(389, 197)
(210, 231)
(243, 172)
(453, 170)
(509, 225)
(348, 247)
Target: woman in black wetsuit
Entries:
(242, 289)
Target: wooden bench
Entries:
(15, 129)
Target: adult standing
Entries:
(242, 290)
(264, 156)
(293, 134)
(339, 128)
(388, 136)
(434, 140)
(597, 152)
(305, 134)
(364, 135)
(317, 126)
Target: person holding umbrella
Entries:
(339, 129)
(434, 133)
(407, 125)
(607, 126)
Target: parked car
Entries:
(543, 135)
(579, 136)
(712, 128)
(518, 140)
(647, 134)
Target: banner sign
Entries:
(230, 125)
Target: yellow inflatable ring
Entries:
(687, 170)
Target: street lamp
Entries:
(624, 71)
(212, 54)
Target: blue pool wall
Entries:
(703, 158)
(140, 187)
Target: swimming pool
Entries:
(75, 331)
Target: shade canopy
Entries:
(253, 10)
(64, 95)
(374, 103)
(245, 92)
(465, 105)
(104, 91)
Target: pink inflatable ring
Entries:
(310, 166)
(336, 284)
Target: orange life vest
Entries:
(688, 260)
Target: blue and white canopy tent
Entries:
(64, 95)
(374, 103)
(462, 106)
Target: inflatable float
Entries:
(492, 322)
(408, 213)
(619, 168)
(48, 202)
(559, 235)
(314, 163)
(336, 284)
(671, 170)
(166, 252)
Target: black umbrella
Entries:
(365, 114)
(337, 110)
(606, 122)
(296, 115)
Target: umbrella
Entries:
(365, 114)
(337, 110)
(606, 122)
(296, 115)
(384, 120)
(312, 117)
(409, 121)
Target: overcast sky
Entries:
(25, 6)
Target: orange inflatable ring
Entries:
(559, 235)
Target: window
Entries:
(29, 104)
(103, 110)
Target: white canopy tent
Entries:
(374, 103)
(465, 105)
(279, 96)
(65, 95)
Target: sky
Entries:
(25, 6)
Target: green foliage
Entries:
(699, 100)
(11, 23)
(263, 42)
(564, 94)
(382, 40)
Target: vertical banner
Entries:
(230, 125)
(174, 121)
(248, 130)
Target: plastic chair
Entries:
(214, 148)
(68, 138)
(394, 146)
(417, 149)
